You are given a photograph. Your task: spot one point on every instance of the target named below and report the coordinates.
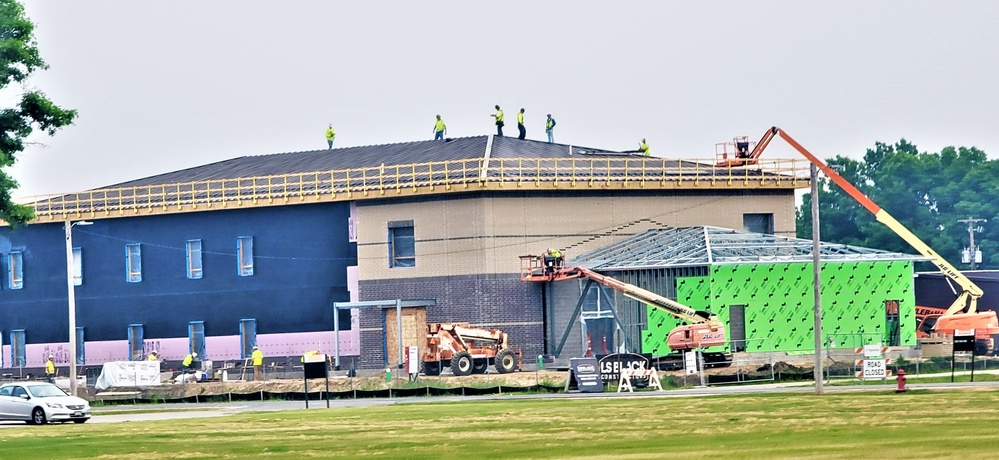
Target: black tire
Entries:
(37, 416)
(431, 368)
(79, 421)
(981, 348)
(506, 361)
(479, 366)
(461, 364)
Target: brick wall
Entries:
(490, 301)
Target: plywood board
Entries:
(414, 331)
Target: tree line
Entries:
(928, 192)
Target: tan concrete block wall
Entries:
(486, 234)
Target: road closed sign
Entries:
(874, 369)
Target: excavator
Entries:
(704, 329)
(963, 313)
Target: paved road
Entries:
(176, 411)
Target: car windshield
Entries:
(45, 391)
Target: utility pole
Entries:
(816, 280)
(972, 250)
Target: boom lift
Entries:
(703, 331)
(963, 312)
(737, 153)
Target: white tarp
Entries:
(128, 374)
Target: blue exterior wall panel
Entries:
(300, 259)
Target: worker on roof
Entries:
(549, 125)
(499, 121)
(330, 135)
(440, 129)
(520, 124)
(644, 148)
(258, 364)
(152, 356)
(50, 370)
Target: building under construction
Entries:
(256, 250)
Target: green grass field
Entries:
(918, 424)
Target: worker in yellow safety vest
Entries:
(330, 135)
(440, 129)
(644, 148)
(50, 370)
(549, 125)
(499, 121)
(520, 124)
(308, 353)
(188, 360)
(258, 363)
(152, 356)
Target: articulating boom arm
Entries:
(672, 307)
(971, 292)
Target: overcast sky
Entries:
(167, 85)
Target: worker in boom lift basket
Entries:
(553, 260)
(743, 148)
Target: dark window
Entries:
(402, 244)
(758, 223)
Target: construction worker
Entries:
(499, 121)
(644, 148)
(152, 356)
(330, 135)
(188, 360)
(50, 370)
(258, 364)
(549, 125)
(743, 149)
(520, 124)
(552, 260)
(440, 129)
(308, 353)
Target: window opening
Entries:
(133, 262)
(194, 259)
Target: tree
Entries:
(19, 58)
(927, 192)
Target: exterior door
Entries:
(737, 327)
(414, 332)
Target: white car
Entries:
(41, 402)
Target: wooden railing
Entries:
(419, 178)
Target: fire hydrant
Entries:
(900, 379)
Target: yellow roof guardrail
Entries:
(477, 174)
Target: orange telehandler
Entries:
(704, 329)
(963, 313)
(467, 350)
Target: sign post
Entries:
(964, 340)
(314, 367)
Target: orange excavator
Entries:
(963, 313)
(704, 328)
